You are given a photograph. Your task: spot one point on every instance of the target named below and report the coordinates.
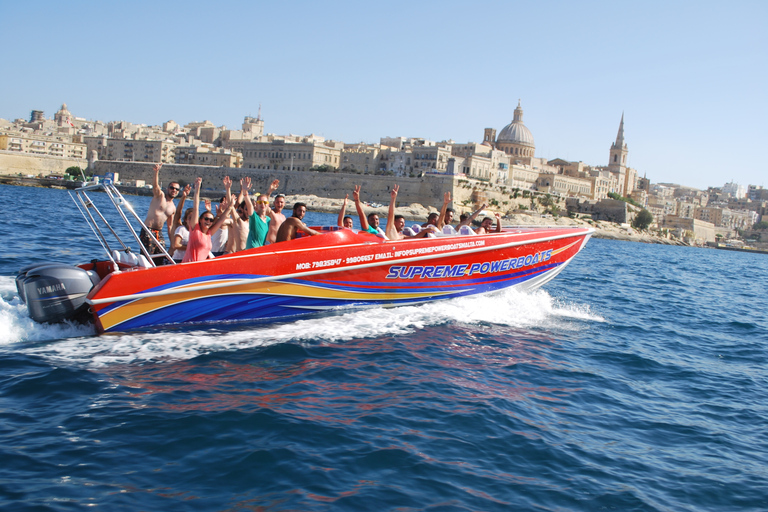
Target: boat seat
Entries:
(408, 232)
(466, 230)
(130, 259)
(449, 230)
(416, 228)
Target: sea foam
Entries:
(78, 344)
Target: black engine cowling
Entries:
(55, 292)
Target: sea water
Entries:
(636, 380)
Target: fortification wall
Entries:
(425, 191)
(13, 162)
(467, 193)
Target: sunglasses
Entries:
(208, 219)
(174, 188)
(262, 202)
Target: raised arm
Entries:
(359, 206)
(272, 187)
(231, 214)
(474, 215)
(273, 225)
(196, 205)
(242, 191)
(180, 209)
(227, 181)
(441, 218)
(498, 221)
(245, 186)
(230, 207)
(340, 221)
(391, 232)
(156, 190)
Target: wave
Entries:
(78, 344)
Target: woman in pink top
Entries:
(199, 244)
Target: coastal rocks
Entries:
(418, 212)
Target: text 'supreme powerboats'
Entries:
(340, 268)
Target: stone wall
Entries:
(467, 193)
(611, 210)
(702, 231)
(12, 162)
(425, 191)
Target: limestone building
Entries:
(291, 153)
(42, 145)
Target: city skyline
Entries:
(688, 78)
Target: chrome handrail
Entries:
(85, 204)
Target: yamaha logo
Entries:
(58, 287)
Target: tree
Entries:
(760, 225)
(74, 171)
(642, 220)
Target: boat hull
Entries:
(337, 270)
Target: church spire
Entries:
(619, 150)
(620, 136)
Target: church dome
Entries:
(516, 132)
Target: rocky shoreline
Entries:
(418, 213)
(414, 212)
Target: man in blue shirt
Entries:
(369, 223)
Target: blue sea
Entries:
(636, 380)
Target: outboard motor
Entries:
(56, 292)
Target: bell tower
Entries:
(617, 163)
(618, 158)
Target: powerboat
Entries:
(339, 269)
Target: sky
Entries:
(690, 77)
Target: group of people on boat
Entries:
(244, 222)
(395, 227)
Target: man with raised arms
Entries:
(468, 220)
(485, 226)
(344, 221)
(161, 210)
(293, 224)
(396, 223)
(446, 214)
(369, 223)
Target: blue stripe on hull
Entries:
(249, 307)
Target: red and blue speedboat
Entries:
(339, 269)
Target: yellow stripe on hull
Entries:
(141, 306)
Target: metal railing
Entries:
(101, 226)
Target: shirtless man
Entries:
(468, 220)
(161, 211)
(239, 231)
(485, 226)
(278, 205)
(292, 224)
